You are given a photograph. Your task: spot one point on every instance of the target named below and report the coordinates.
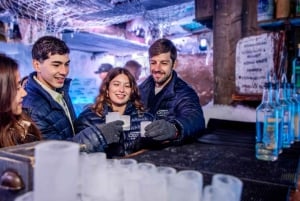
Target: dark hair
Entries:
(132, 64)
(163, 45)
(24, 80)
(8, 85)
(47, 46)
(12, 131)
(103, 99)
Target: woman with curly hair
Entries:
(118, 93)
(15, 127)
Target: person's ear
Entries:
(175, 64)
(36, 65)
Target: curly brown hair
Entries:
(103, 99)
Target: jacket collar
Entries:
(169, 89)
(33, 87)
(64, 88)
(128, 110)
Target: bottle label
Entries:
(296, 124)
(297, 11)
(269, 135)
(297, 75)
(286, 127)
(265, 10)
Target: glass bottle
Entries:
(282, 9)
(265, 10)
(296, 71)
(294, 98)
(297, 8)
(292, 105)
(286, 141)
(275, 100)
(266, 147)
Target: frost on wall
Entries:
(21, 53)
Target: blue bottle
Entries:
(286, 137)
(265, 10)
(292, 104)
(266, 147)
(294, 98)
(296, 71)
(275, 100)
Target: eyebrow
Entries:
(120, 82)
(59, 62)
(165, 60)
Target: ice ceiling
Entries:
(84, 18)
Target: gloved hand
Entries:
(160, 130)
(112, 131)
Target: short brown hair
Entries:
(48, 45)
(163, 45)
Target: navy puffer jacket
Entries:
(51, 119)
(131, 139)
(178, 103)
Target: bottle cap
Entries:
(267, 84)
(275, 85)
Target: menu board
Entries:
(254, 60)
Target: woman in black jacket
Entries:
(118, 93)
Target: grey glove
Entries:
(161, 130)
(112, 131)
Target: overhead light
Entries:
(139, 32)
(51, 1)
(203, 44)
(117, 1)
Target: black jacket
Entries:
(178, 103)
(51, 119)
(131, 139)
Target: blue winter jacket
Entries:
(130, 140)
(178, 103)
(51, 119)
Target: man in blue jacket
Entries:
(48, 102)
(172, 101)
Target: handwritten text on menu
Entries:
(254, 59)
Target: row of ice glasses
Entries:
(127, 180)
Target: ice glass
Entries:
(166, 172)
(56, 171)
(146, 168)
(226, 187)
(126, 120)
(112, 116)
(132, 186)
(185, 185)
(207, 193)
(92, 175)
(143, 125)
(153, 186)
(128, 164)
(114, 181)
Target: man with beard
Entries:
(175, 105)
